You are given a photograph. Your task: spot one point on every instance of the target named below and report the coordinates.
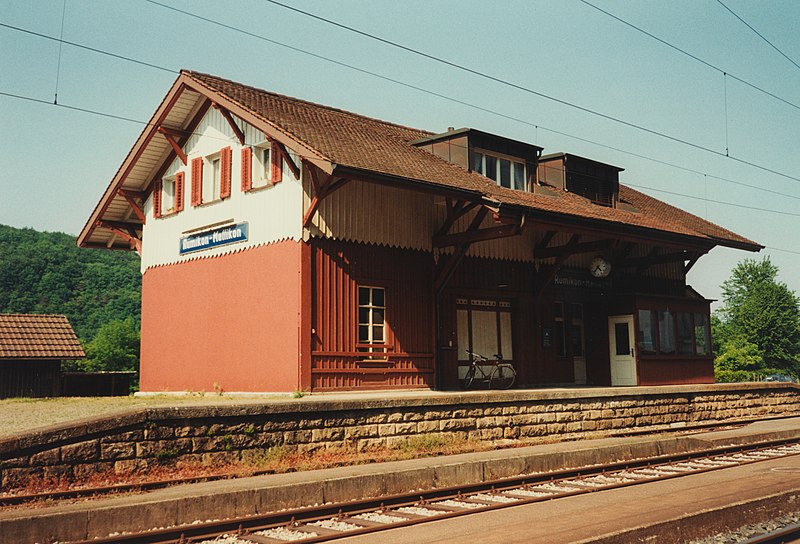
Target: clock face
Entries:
(599, 267)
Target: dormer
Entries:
(508, 162)
(590, 179)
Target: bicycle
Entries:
(501, 376)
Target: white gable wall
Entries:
(273, 213)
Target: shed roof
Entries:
(38, 336)
(353, 144)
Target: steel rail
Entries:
(790, 533)
(343, 512)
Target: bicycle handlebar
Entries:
(497, 356)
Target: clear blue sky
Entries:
(55, 162)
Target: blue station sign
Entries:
(221, 236)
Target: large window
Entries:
(647, 332)
(673, 333)
(684, 333)
(702, 335)
(506, 172)
(483, 327)
(559, 334)
(576, 333)
(371, 319)
(666, 333)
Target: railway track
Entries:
(333, 521)
(784, 535)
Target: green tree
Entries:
(115, 347)
(759, 311)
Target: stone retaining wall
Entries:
(215, 434)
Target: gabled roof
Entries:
(38, 336)
(349, 144)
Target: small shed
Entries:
(31, 350)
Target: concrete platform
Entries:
(250, 496)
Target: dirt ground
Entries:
(23, 415)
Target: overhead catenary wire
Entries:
(433, 93)
(60, 47)
(423, 90)
(146, 123)
(759, 34)
(694, 57)
(130, 59)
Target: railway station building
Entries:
(287, 246)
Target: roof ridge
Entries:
(194, 74)
(32, 315)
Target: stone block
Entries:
(46, 457)
(158, 432)
(84, 471)
(82, 451)
(297, 437)
(60, 472)
(117, 450)
(427, 427)
(126, 466)
(361, 431)
(456, 425)
(202, 443)
(406, 428)
(413, 416)
(17, 477)
(219, 457)
(387, 429)
(334, 434)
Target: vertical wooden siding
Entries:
(338, 268)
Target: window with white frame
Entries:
(506, 172)
(168, 187)
(212, 175)
(371, 319)
(262, 173)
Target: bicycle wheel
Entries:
(503, 376)
(469, 377)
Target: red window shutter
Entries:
(225, 155)
(157, 199)
(277, 164)
(179, 191)
(197, 181)
(247, 169)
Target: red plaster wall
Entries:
(231, 320)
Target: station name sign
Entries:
(579, 280)
(221, 236)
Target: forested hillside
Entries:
(45, 272)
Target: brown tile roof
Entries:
(30, 336)
(364, 143)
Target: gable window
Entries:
(211, 177)
(263, 171)
(167, 195)
(505, 172)
(371, 319)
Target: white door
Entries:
(623, 355)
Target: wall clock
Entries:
(600, 267)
